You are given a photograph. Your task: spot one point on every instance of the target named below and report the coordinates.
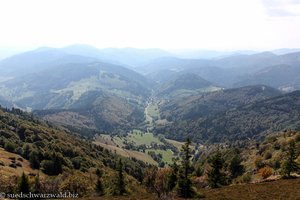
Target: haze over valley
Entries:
(149, 100)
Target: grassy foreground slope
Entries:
(275, 190)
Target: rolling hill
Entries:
(284, 77)
(183, 85)
(109, 96)
(97, 111)
(241, 115)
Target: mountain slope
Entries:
(183, 85)
(234, 118)
(20, 129)
(63, 84)
(58, 153)
(97, 111)
(107, 95)
(284, 77)
(209, 104)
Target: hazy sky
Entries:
(205, 24)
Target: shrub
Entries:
(13, 165)
(10, 147)
(268, 155)
(265, 172)
(258, 162)
(12, 158)
(297, 138)
(245, 178)
(34, 160)
(76, 162)
(79, 183)
(18, 164)
(53, 166)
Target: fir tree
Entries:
(23, 186)
(289, 165)
(58, 162)
(235, 167)
(99, 187)
(184, 183)
(34, 160)
(99, 173)
(173, 177)
(216, 177)
(120, 181)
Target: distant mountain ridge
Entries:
(129, 57)
(231, 71)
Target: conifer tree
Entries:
(23, 186)
(34, 160)
(99, 173)
(290, 165)
(184, 183)
(99, 187)
(120, 181)
(58, 161)
(216, 177)
(235, 167)
(173, 176)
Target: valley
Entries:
(150, 100)
(144, 117)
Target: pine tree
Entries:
(23, 186)
(184, 183)
(99, 187)
(215, 176)
(34, 160)
(120, 181)
(173, 177)
(58, 162)
(289, 165)
(99, 173)
(235, 167)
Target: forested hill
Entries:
(55, 151)
(252, 119)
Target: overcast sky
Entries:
(204, 24)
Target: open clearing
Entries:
(137, 138)
(6, 158)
